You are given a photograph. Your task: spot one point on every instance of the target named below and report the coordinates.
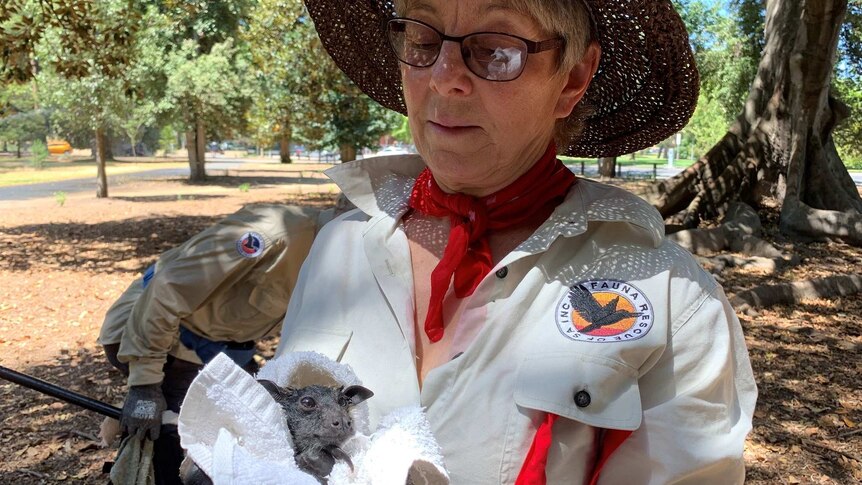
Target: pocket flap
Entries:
(551, 383)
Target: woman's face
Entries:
(478, 136)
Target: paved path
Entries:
(35, 191)
(47, 189)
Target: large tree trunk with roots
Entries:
(780, 151)
(196, 144)
(101, 158)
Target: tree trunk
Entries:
(101, 158)
(196, 145)
(18, 149)
(608, 167)
(348, 152)
(109, 146)
(780, 150)
(284, 145)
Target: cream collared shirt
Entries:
(598, 319)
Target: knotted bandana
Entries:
(467, 257)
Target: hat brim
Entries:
(644, 91)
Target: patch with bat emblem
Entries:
(604, 311)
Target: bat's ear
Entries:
(357, 394)
(271, 387)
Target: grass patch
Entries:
(627, 161)
(20, 171)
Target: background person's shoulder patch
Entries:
(604, 311)
(250, 245)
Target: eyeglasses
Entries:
(490, 55)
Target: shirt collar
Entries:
(381, 186)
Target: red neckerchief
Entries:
(533, 470)
(467, 257)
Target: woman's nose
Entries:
(449, 75)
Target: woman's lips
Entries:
(451, 129)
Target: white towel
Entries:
(236, 433)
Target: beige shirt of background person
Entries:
(213, 287)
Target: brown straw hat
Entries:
(645, 90)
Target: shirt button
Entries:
(582, 399)
(502, 272)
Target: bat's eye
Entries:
(308, 402)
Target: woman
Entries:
(550, 331)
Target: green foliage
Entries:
(355, 119)
(20, 119)
(24, 126)
(285, 67)
(300, 92)
(244, 187)
(847, 87)
(38, 154)
(60, 198)
(402, 132)
(727, 49)
(211, 85)
(91, 37)
(706, 127)
(848, 134)
(167, 139)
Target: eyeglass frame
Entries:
(533, 47)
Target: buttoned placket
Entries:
(388, 253)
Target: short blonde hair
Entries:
(568, 19)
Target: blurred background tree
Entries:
(188, 73)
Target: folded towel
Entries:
(235, 432)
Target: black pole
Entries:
(60, 393)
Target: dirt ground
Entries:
(61, 267)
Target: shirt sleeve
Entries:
(202, 266)
(698, 401)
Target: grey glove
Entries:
(142, 411)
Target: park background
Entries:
(188, 110)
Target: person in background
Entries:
(221, 291)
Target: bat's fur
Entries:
(319, 421)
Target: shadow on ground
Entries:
(806, 395)
(237, 178)
(107, 247)
(169, 198)
(47, 441)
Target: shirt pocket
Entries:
(593, 390)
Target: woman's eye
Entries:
(425, 46)
(308, 402)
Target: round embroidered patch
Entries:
(250, 245)
(604, 311)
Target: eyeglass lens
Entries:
(495, 57)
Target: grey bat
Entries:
(319, 421)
